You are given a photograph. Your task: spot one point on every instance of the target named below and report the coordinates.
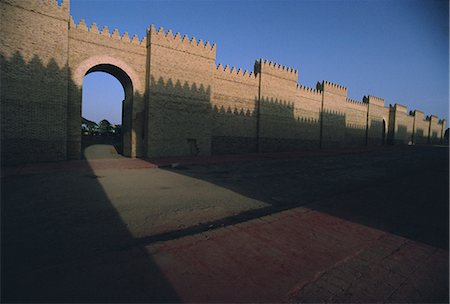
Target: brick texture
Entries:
(177, 100)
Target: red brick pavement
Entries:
(299, 255)
(302, 255)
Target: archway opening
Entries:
(105, 115)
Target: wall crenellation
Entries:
(235, 71)
(94, 30)
(330, 87)
(178, 100)
(338, 86)
(275, 69)
(419, 115)
(278, 66)
(400, 108)
(184, 44)
(308, 89)
(435, 118)
(373, 100)
(356, 102)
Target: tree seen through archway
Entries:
(101, 111)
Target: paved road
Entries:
(101, 147)
(101, 151)
(303, 255)
(110, 234)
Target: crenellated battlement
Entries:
(356, 102)
(432, 117)
(309, 90)
(177, 101)
(330, 87)
(400, 108)
(234, 74)
(417, 114)
(235, 71)
(373, 100)
(277, 70)
(94, 30)
(183, 44)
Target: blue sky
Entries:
(397, 50)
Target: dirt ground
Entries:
(84, 235)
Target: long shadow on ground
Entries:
(62, 242)
(80, 250)
(403, 191)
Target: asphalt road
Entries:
(100, 220)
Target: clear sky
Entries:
(397, 50)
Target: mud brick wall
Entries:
(234, 116)
(33, 50)
(178, 101)
(277, 123)
(181, 72)
(333, 114)
(307, 108)
(92, 49)
(400, 124)
(421, 127)
(377, 121)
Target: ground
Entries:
(367, 225)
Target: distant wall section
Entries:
(177, 100)
(278, 127)
(234, 116)
(421, 127)
(377, 121)
(181, 73)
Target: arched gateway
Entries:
(177, 100)
(132, 85)
(91, 50)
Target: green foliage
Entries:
(105, 127)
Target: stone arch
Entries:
(83, 69)
(133, 88)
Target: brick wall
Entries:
(177, 101)
(278, 127)
(401, 125)
(234, 122)
(307, 107)
(34, 80)
(435, 133)
(333, 115)
(377, 121)
(421, 128)
(355, 123)
(93, 49)
(181, 74)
